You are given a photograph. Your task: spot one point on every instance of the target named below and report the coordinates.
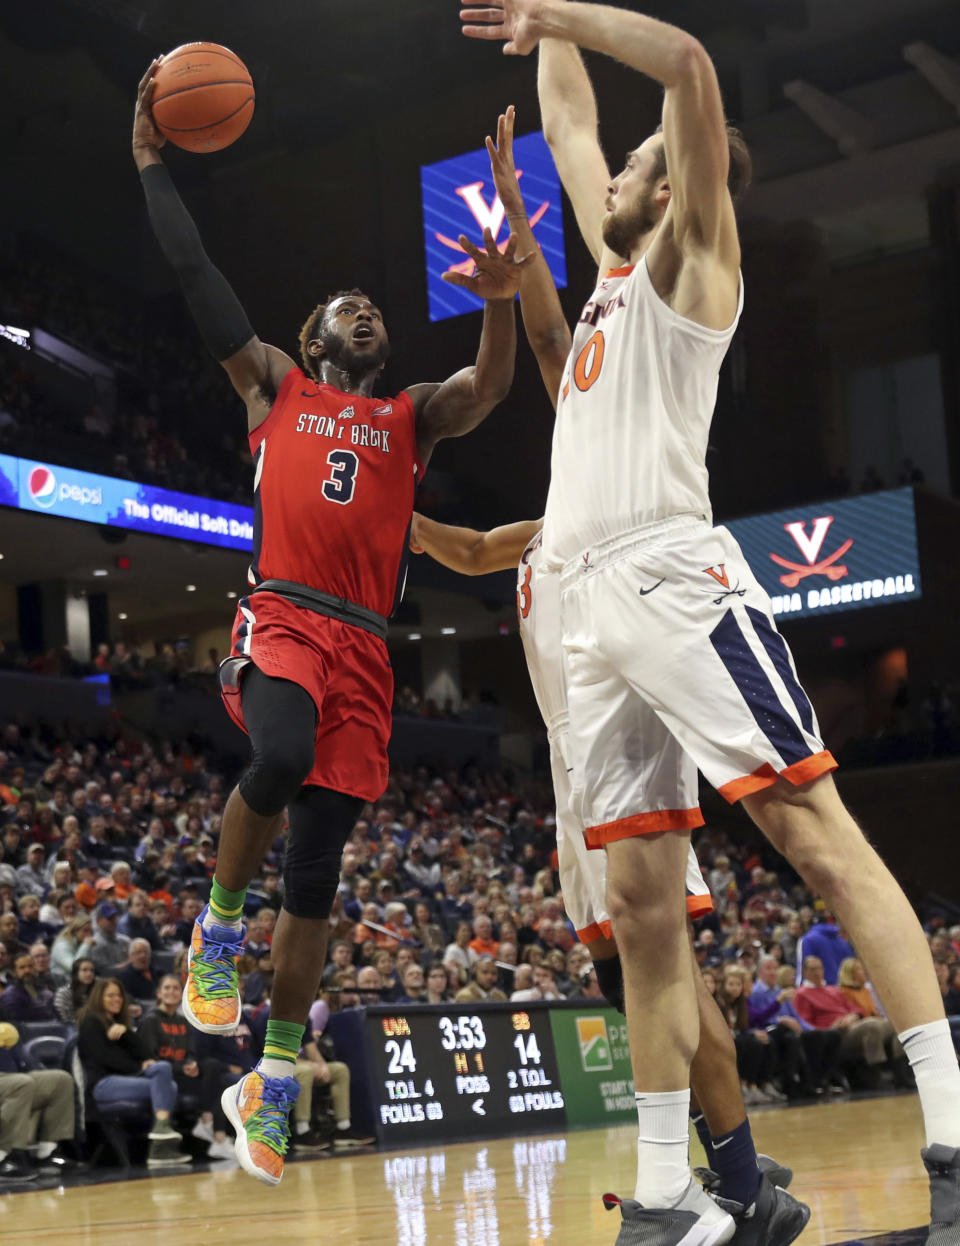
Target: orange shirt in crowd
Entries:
(484, 947)
(861, 1000)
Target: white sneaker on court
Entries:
(695, 1220)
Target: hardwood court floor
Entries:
(857, 1164)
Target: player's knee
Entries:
(636, 904)
(276, 776)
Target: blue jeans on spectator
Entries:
(154, 1086)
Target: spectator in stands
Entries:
(116, 1068)
(458, 952)
(31, 928)
(75, 940)
(418, 871)
(544, 986)
(437, 985)
(341, 957)
(821, 1048)
(483, 984)
(6, 973)
(122, 876)
(318, 1067)
(21, 1000)
(827, 943)
(556, 962)
(165, 1035)
(414, 986)
(32, 877)
(109, 948)
(260, 982)
(867, 1041)
(136, 922)
(765, 1008)
(755, 1055)
(43, 979)
(588, 987)
(136, 976)
(369, 985)
(791, 939)
(425, 930)
(36, 1112)
(70, 999)
(483, 943)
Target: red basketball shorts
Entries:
(346, 671)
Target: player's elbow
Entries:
(690, 61)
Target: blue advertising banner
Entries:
(832, 556)
(459, 198)
(55, 490)
(9, 480)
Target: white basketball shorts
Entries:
(673, 663)
(583, 873)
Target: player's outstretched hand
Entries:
(497, 274)
(514, 21)
(146, 136)
(501, 163)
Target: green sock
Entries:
(283, 1040)
(226, 906)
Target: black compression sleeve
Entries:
(222, 322)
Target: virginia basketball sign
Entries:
(459, 198)
(839, 555)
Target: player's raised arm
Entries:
(699, 223)
(569, 113)
(546, 327)
(255, 369)
(463, 401)
(470, 552)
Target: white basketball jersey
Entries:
(634, 412)
(538, 609)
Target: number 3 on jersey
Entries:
(340, 484)
(589, 362)
(524, 592)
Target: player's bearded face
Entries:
(629, 221)
(345, 353)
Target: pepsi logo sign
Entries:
(45, 491)
(43, 487)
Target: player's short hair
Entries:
(741, 163)
(311, 328)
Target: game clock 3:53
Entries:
(449, 1072)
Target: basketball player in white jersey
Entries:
(671, 654)
(765, 1215)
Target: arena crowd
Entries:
(449, 892)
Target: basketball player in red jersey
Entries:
(653, 664)
(308, 676)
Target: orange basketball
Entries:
(202, 97)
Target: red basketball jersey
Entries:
(335, 476)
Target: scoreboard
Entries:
(436, 1072)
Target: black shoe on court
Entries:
(943, 1165)
(777, 1174)
(697, 1220)
(774, 1218)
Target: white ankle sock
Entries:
(929, 1048)
(302, 1127)
(45, 1149)
(269, 1066)
(209, 921)
(663, 1145)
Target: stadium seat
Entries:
(43, 1029)
(45, 1051)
